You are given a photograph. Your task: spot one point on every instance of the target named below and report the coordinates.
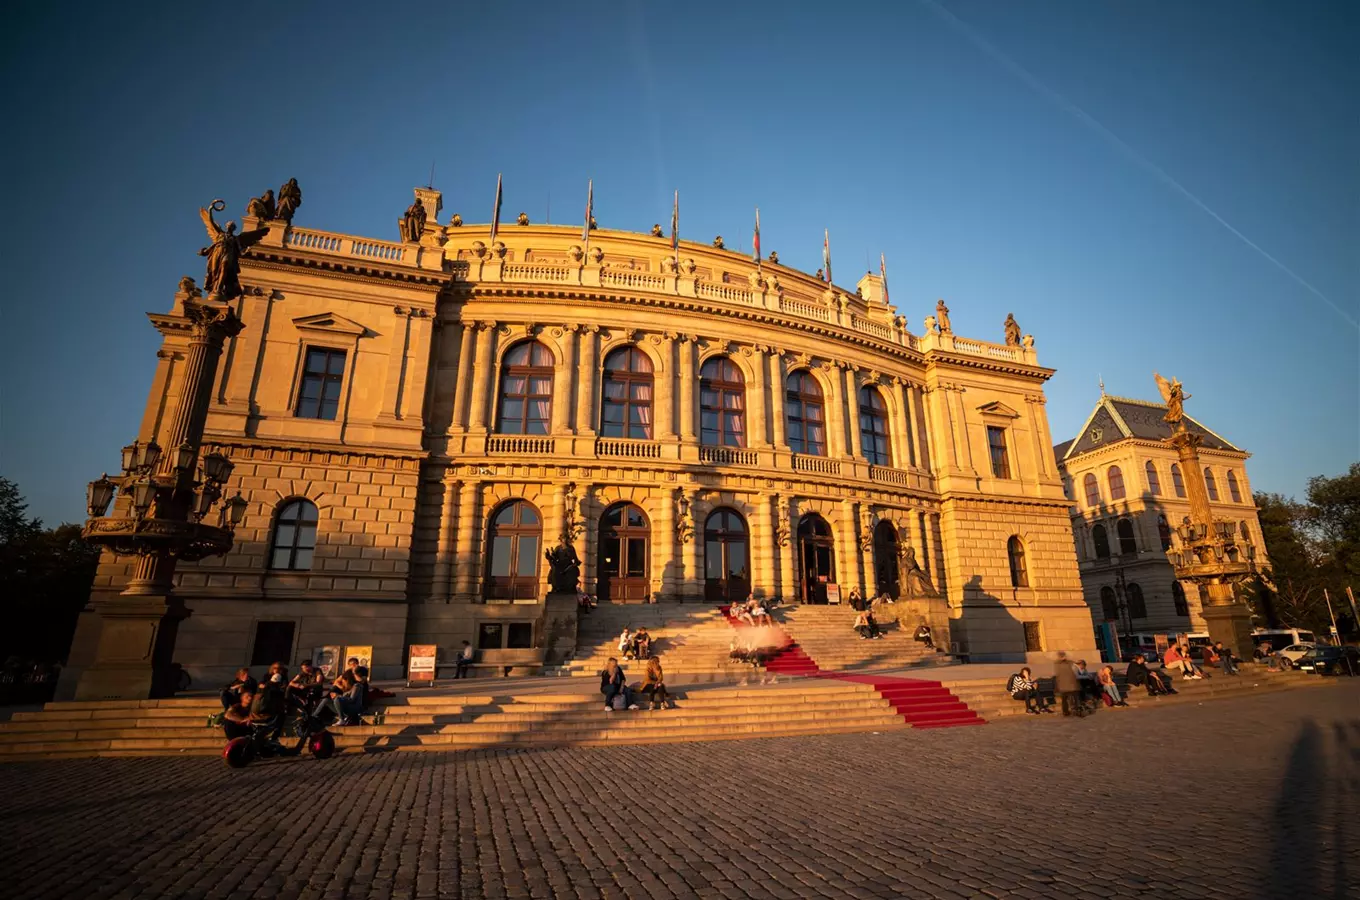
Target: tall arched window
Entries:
(1115, 477)
(722, 404)
(1092, 489)
(727, 569)
(1164, 531)
(1154, 483)
(1210, 484)
(873, 427)
(1137, 605)
(806, 414)
(526, 388)
(626, 410)
(513, 538)
(1127, 545)
(1177, 482)
(1101, 540)
(1109, 607)
(1178, 598)
(1244, 531)
(294, 536)
(1015, 552)
(1233, 490)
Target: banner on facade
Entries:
(327, 661)
(420, 664)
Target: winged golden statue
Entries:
(1174, 395)
(223, 277)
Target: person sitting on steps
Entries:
(626, 643)
(655, 685)
(305, 687)
(236, 718)
(613, 684)
(460, 665)
(1174, 660)
(924, 635)
(642, 644)
(232, 692)
(1226, 660)
(866, 626)
(1110, 695)
(1021, 686)
(1090, 687)
(1138, 673)
(760, 615)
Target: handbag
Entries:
(620, 702)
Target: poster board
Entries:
(1163, 642)
(365, 654)
(328, 660)
(833, 593)
(420, 664)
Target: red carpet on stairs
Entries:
(921, 703)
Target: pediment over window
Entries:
(998, 409)
(330, 323)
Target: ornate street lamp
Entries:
(1212, 556)
(162, 521)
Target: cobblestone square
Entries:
(1247, 798)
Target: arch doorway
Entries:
(817, 553)
(625, 538)
(727, 568)
(887, 579)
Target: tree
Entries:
(1334, 504)
(1296, 600)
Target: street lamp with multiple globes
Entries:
(1212, 555)
(167, 498)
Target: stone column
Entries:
(444, 565)
(923, 441)
(665, 565)
(584, 542)
(906, 454)
(693, 588)
(566, 362)
(758, 428)
(835, 413)
(469, 527)
(777, 414)
(484, 376)
(852, 404)
(763, 548)
(849, 576)
(462, 385)
(585, 381)
(664, 380)
(687, 406)
(788, 580)
(938, 564)
(947, 452)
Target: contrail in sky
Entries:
(1157, 171)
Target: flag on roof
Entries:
(826, 254)
(496, 213)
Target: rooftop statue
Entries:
(774, 257)
(413, 222)
(223, 276)
(290, 198)
(718, 242)
(656, 231)
(456, 221)
(1012, 331)
(1175, 396)
(262, 207)
(523, 219)
(942, 316)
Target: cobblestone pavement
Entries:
(1266, 791)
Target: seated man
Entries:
(463, 661)
(236, 719)
(923, 635)
(760, 615)
(1226, 661)
(1022, 686)
(345, 699)
(1139, 674)
(305, 687)
(270, 701)
(642, 644)
(1090, 686)
(232, 692)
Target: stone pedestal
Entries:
(559, 627)
(1231, 624)
(136, 643)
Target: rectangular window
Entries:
(273, 643)
(323, 372)
(520, 636)
(489, 636)
(996, 446)
(1033, 642)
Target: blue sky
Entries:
(1008, 157)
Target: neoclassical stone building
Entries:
(414, 422)
(1128, 495)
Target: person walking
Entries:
(1067, 687)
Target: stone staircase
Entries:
(691, 641)
(826, 634)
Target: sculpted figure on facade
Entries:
(915, 582)
(718, 242)
(783, 528)
(774, 257)
(413, 222)
(223, 275)
(656, 231)
(262, 207)
(930, 325)
(564, 568)
(188, 288)
(684, 518)
(290, 198)
(522, 219)
(456, 221)
(1012, 331)
(1175, 396)
(942, 316)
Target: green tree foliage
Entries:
(45, 577)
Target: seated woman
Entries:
(923, 635)
(613, 683)
(232, 692)
(1110, 695)
(760, 615)
(1022, 686)
(1175, 661)
(743, 612)
(626, 643)
(655, 686)
(345, 699)
(1139, 674)
(866, 626)
(236, 718)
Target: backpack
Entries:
(1013, 684)
(620, 701)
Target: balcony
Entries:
(520, 445)
(728, 456)
(887, 475)
(627, 449)
(819, 464)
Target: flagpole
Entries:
(755, 242)
(675, 228)
(496, 213)
(883, 274)
(585, 229)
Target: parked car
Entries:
(1331, 661)
(1290, 656)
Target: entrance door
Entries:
(621, 575)
(817, 553)
(886, 577)
(727, 570)
(273, 643)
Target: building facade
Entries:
(414, 422)
(1128, 495)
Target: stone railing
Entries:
(535, 272)
(384, 250)
(710, 290)
(645, 281)
(520, 444)
(818, 464)
(728, 456)
(629, 449)
(887, 475)
(316, 241)
(983, 348)
(806, 310)
(866, 326)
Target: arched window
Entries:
(626, 410)
(526, 388)
(1233, 490)
(722, 404)
(1164, 531)
(1176, 481)
(806, 414)
(873, 427)
(1115, 477)
(1137, 605)
(727, 570)
(1154, 483)
(513, 538)
(1101, 540)
(1178, 598)
(1092, 489)
(1127, 545)
(1210, 484)
(1244, 531)
(1015, 551)
(1109, 608)
(294, 536)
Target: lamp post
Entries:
(169, 494)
